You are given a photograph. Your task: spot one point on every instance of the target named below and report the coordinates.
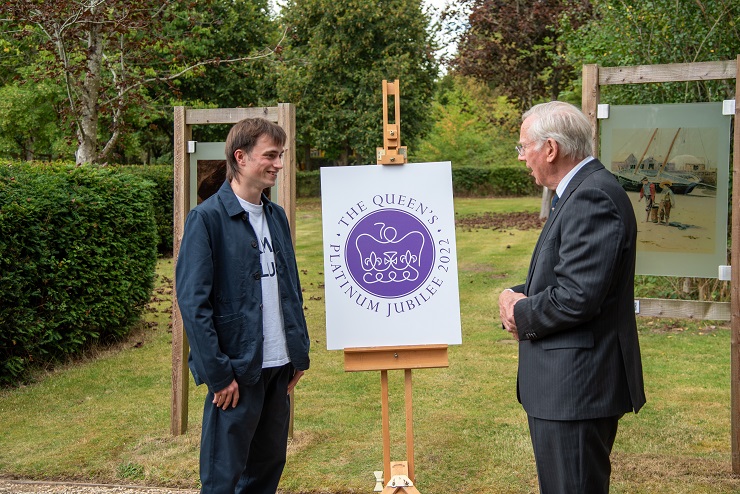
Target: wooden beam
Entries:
(228, 115)
(395, 358)
(684, 309)
(673, 72)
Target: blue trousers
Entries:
(243, 449)
(572, 457)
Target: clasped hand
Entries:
(506, 301)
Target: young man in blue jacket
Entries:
(240, 298)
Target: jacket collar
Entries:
(231, 203)
(586, 170)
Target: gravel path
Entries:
(22, 486)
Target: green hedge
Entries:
(467, 181)
(308, 184)
(77, 259)
(472, 181)
(162, 177)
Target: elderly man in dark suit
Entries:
(574, 318)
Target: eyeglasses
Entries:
(521, 147)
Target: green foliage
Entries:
(635, 32)
(131, 471)
(672, 287)
(116, 63)
(516, 46)
(29, 122)
(229, 30)
(77, 257)
(473, 126)
(308, 184)
(336, 57)
(162, 176)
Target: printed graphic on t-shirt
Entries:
(267, 259)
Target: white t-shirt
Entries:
(275, 349)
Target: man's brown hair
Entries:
(244, 135)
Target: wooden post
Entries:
(735, 285)
(181, 206)
(590, 102)
(287, 182)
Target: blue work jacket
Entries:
(219, 292)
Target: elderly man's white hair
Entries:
(565, 124)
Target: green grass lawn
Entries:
(105, 418)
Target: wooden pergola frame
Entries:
(593, 78)
(284, 115)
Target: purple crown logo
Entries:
(389, 253)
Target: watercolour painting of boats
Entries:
(632, 171)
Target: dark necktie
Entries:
(554, 202)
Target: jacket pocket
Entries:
(582, 339)
(229, 331)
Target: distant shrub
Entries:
(308, 184)
(77, 258)
(513, 181)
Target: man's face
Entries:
(261, 166)
(535, 159)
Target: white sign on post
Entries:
(390, 258)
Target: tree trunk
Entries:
(307, 157)
(87, 132)
(344, 156)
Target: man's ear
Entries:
(551, 150)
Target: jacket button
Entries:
(262, 307)
(257, 276)
(254, 244)
(245, 217)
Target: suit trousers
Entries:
(243, 449)
(572, 456)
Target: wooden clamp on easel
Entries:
(399, 475)
(392, 153)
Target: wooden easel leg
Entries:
(409, 424)
(386, 425)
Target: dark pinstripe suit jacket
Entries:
(579, 355)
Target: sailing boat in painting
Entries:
(633, 171)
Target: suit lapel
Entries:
(574, 183)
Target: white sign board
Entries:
(390, 258)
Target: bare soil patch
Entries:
(501, 221)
